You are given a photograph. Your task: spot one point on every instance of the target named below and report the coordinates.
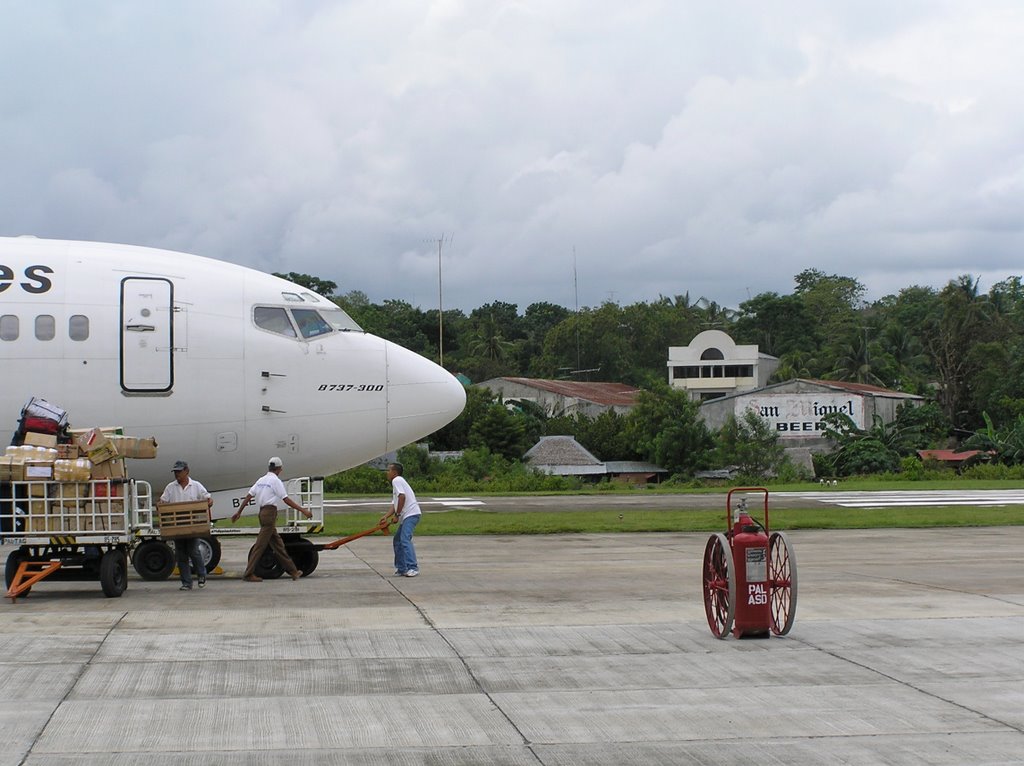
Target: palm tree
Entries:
(488, 342)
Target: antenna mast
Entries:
(440, 305)
(576, 291)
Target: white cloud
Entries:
(677, 147)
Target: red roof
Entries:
(609, 394)
(947, 455)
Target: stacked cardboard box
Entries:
(77, 487)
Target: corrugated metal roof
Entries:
(633, 466)
(947, 455)
(860, 388)
(609, 394)
(835, 385)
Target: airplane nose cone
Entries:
(422, 397)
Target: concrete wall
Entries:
(795, 409)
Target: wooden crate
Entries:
(183, 519)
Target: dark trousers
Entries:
(268, 536)
(186, 548)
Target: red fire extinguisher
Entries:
(750, 555)
(749, 575)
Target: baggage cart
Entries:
(57, 530)
(154, 559)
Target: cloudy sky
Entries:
(674, 146)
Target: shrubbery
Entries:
(478, 470)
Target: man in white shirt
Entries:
(185, 489)
(268, 492)
(406, 511)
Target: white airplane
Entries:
(226, 366)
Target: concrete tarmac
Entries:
(908, 648)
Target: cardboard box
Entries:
(183, 519)
(111, 469)
(139, 448)
(11, 469)
(37, 489)
(67, 507)
(68, 452)
(71, 490)
(36, 470)
(41, 440)
(97, 446)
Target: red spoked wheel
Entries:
(782, 583)
(719, 585)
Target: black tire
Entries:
(113, 573)
(305, 555)
(153, 560)
(14, 559)
(268, 567)
(209, 549)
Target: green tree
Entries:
(950, 334)
(751, 445)
(1006, 444)
(665, 429)
(501, 432)
(488, 339)
(779, 325)
(872, 450)
(455, 435)
(324, 287)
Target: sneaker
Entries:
(202, 582)
(186, 587)
(252, 578)
(412, 573)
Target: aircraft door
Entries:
(147, 335)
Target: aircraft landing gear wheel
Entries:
(209, 549)
(268, 567)
(781, 583)
(305, 555)
(153, 560)
(113, 573)
(11, 569)
(719, 585)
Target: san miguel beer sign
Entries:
(795, 415)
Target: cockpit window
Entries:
(292, 297)
(274, 320)
(310, 297)
(310, 323)
(339, 320)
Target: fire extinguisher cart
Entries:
(749, 575)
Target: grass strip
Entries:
(476, 522)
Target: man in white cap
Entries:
(268, 492)
(185, 489)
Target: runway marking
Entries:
(911, 498)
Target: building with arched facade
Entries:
(713, 365)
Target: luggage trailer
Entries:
(69, 531)
(154, 559)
